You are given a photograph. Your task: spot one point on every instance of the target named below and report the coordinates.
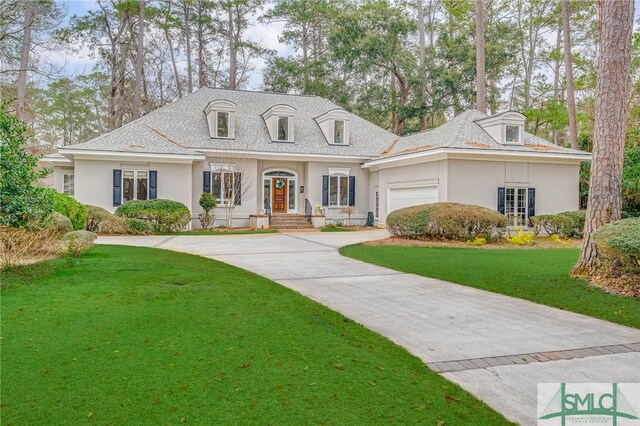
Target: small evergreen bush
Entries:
(565, 224)
(619, 244)
(69, 207)
(446, 221)
(161, 215)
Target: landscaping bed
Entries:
(129, 335)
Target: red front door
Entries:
(279, 191)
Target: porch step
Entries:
(290, 221)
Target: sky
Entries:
(78, 63)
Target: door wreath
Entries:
(279, 183)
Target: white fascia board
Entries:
(80, 154)
(56, 160)
(261, 155)
(468, 154)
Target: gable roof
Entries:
(464, 133)
(181, 128)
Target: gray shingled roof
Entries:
(183, 128)
(462, 132)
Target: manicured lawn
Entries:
(539, 275)
(336, 229)
(229, 232)
(130, 335)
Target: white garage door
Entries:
(406, 197)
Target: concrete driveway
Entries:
(497, 347)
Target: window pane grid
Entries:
(338, 132)
(338, 191)
(135, 185)
(515, 207)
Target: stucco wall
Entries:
(315, 171)
(55, 178)
(476, 182)
(94, 181)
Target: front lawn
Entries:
(539, 275)
(128, 335)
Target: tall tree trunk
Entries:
(202, 68)
(233, 52)
(480, 75)
(612, 89)
(173, 62)
(136, 108)
(187, 36)
(21, 84)
(422, 53)
(568, 65)
(556, 80)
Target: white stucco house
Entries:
(283, 155)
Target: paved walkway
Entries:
(497, 347)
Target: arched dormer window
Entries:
(335, 126)
(280, 121)
(506, 128)
(221, 118)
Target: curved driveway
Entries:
(497, 347)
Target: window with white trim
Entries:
(68, 186)
(338, 132)
(377, 205)
(222, 124)
(515, 206)
(338, 191)
(512, 134)
(283, 128)
(135, 185)
(227, 187)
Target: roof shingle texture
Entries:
(181, 128)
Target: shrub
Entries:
(446, 221)
(348, 211)
(521, 238)
(208, 202)
(78, 241)
(20, 246)
(58, 224)
(101, 221)
(565, 224)
(619, 245)
(137, 226)
(21, 202)
(69, 207)
(162, 215)
(477, 241)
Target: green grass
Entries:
(128, 335)
(336, 229)
(539, 275)
(229, 232)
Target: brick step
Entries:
(292, 227)
(289, 221)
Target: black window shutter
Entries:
(206, 182)
(153, 184)
(501, 199)
(325, 190)
(117, 189)
(531, 202)
(238, 188)
(352, 190)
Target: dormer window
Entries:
(506, 128)
(334, 125)
(221, 118)
(338, 132)
(223, 124)
(280, 121)
(512, 134)
(283, 128)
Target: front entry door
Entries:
(279, 191)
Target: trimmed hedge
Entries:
(69, 207)
(161, 215)
(565, 224)
(101, 221)
(58, 224)
(446, 221)
(619, 244)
